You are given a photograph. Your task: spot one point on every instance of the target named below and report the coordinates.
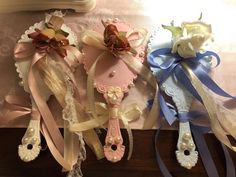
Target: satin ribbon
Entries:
(198, 132)
(95, 39)
(222, 119)
(196, 75)
(173, 65)
(177, 66)
(15, 107)
(24, 51)
(127, 114)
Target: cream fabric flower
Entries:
(192, 39)
(114, 94)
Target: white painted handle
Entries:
(186, 154)
(30, 147)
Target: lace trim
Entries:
(69, 114)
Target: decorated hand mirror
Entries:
(104, 62)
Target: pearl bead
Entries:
(25, 140)
(31, 131)
(190, 145)
(112, 74)
(110, 140)
(114, 159)
(188, 166)
(34, 140)
(117, 140)
(187, 136)
(183, 146)
(26, 158)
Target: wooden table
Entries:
(142, 163)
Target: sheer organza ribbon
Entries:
(95, 39)
(24, 51)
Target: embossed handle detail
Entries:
(186, 154)
(30, 147)
(113, 149)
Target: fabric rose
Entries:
(190, 38)
(50, 38)
(115, 40)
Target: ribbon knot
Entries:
(127, 114)
(193, 75)
(174, 66)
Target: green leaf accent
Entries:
(175, 30)
(62, 32)
(200, 17)
(121, 33)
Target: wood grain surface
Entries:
(142, 163)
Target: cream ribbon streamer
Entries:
(54, 79)
(127, 114)
(92, 38)
(222, 120)
(95, 39)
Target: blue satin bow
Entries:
(172, 65)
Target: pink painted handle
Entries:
(113, 149)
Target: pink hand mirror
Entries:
(112, 77)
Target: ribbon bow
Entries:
(49, 41)
(126, 114)
(112, 42)
(174, 65)
(192, 74)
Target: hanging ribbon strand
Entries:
(193, 81)
(50, 48)
(188, 63)
(122, 45)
